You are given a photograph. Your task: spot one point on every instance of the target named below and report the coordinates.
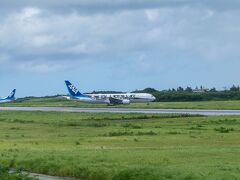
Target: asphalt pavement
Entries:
(125, 110)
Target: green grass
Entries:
(5, 174)
(121, 146)
(58, 102)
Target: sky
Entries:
(117, 45)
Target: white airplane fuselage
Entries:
(5, 100)
(132, 97)
(125, 97)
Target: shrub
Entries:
(174, 132)
(77, 143)
(129, 125)
(150, 133)
(119, 133)
(224, 130)
(98, 124)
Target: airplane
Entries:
(10, 98)
(111, 99)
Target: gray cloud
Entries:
(94, 4)
(144, 32)
(109, 5)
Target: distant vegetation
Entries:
(197, 94)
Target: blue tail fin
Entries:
(73, 91)
(12, 95)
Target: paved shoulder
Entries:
(46, 177)
(42, 176)
(125, 110)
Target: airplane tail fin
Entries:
(73, 91)
(12, 95)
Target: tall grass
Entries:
(120, 146)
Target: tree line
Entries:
(189, 94)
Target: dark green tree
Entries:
(180, 89)
(234, 88)
(188, 89)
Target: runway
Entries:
(125, 110)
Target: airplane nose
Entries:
(153, 98)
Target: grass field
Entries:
(121, 146)
(58, 102)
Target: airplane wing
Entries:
(118, 101)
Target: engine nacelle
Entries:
(66, 97)
(125, 101)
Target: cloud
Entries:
(4, 58)
(37, 37)
(41, 67)
(94, 5)
(100, 6)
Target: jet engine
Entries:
(125, 101)
(66, 97)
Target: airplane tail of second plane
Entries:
(73, 91)
(11, 96)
